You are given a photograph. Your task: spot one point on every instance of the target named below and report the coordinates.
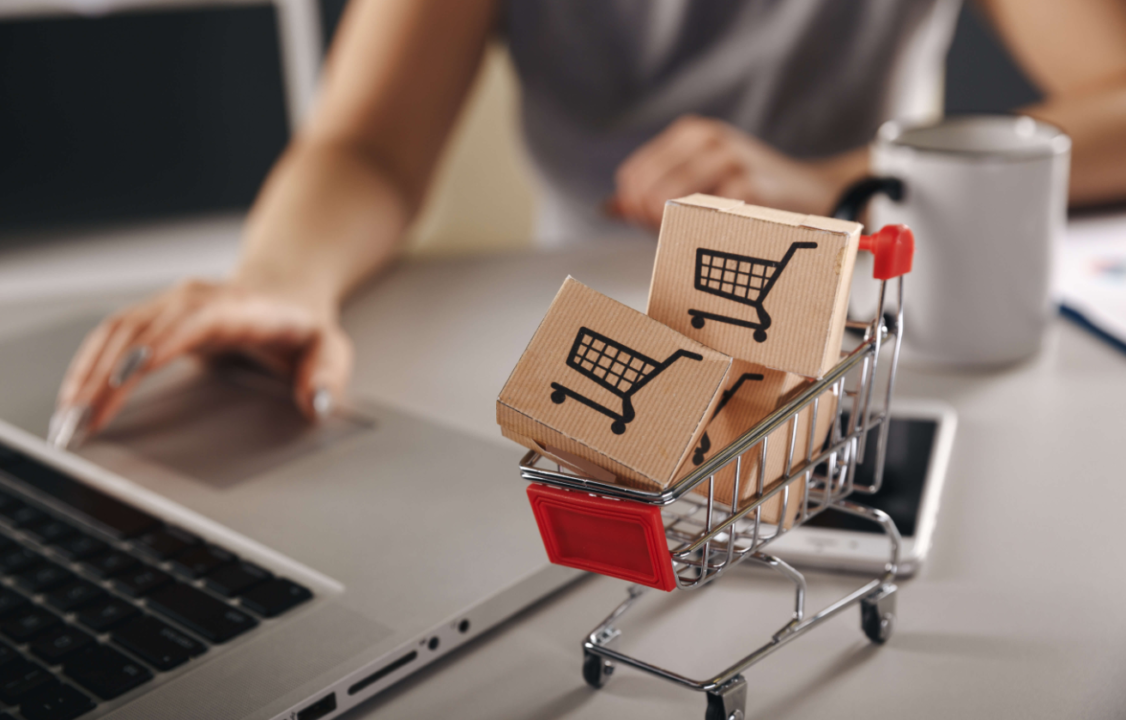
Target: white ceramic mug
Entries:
(986, 197)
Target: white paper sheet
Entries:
(1092, 273)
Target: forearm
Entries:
(1096, 122)
(327, 218)
(841, 171)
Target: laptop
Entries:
(214, 556)
(253, 566)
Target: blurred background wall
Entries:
(211, 116)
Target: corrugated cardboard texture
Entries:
(750, 394)
(571, 393)
(795, 306)
(563, 458)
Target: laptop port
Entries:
(383, 672)
(319, 709)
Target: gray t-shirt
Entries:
(810, 77)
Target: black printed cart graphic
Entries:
(741, 278)
(620, 369)
(705, 441)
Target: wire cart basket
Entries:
(746, 280)
(679, 539)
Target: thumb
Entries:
(323, 372)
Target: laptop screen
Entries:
(137, 115)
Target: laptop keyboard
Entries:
(98, 597)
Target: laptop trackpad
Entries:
(221, 427)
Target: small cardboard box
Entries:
(765, 286)
(750, 394)
(601, 383)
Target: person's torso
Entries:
(810, 77)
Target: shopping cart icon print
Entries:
(744, 279)
(706, 442)
(620, 369)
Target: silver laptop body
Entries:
(413, 538)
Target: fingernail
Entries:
(68, 426)
(322, 403)
(133, 361)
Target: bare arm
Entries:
(1076, 51)
(334, 209)
(331, 213)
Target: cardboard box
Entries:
(765, 286)
(750, 394)
(601, 383)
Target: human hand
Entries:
(201, 318)
(696, 154)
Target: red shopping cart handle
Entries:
(619, 538)
(894, 248)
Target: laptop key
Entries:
(119, 519)
(54, 647)
(211, 619)
(11, 507)
(106, 614)
(79, 547)
(232, 580)
(106, 672)
(141, 581)
(166, 542)
(18, 559)
(7, 655)
(109, 563)
(25, 625)
(21, 678)
(50, 531)
(157, 643)
(58, 702)
(10, 602)
(43, 577)
(201, 560)
(25, 516)
(7, 500)
(75, 595)
(275, 597)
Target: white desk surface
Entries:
(1017, 613)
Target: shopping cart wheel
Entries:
(697, 322)
(596, 670)
(728, 702)
(760, 335)
(877, 614)
(618, 427)
(558, 397)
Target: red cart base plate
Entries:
(618, 538)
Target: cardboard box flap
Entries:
(708, 201)
(782, 217)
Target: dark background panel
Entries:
(149, 115)
(981, 76)
(137, 115)
(331, 10)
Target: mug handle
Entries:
(894, 245)
(857, 195)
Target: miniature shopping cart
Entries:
(679, 539)
(744, 279)
(620, 369)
